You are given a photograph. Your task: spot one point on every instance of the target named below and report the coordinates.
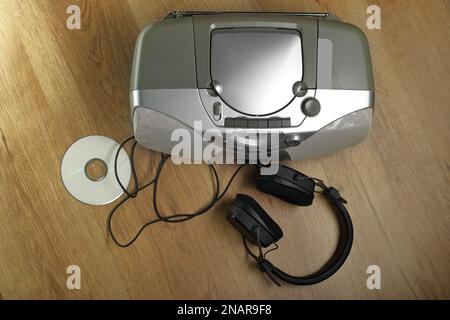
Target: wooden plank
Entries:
(59, 85)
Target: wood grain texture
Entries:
(59, 85)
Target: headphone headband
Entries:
(332, 266)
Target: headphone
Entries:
(249, 218)
(257, 227)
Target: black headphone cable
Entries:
(174, 218)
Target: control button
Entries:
(275, 123)
(240, 123)
(253, 123)
(311, 107)
(218, 87)
(214, 89)
(263, 123)
(293, 140)
(286, 122)
(212, 92)
(299, 89)
(217, 110)
(229, 122)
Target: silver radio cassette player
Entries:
(304, 76)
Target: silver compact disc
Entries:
(87, 170)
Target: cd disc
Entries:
(87, 170)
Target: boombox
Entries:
(304, 77)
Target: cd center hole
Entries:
(96, 169)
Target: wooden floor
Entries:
(58, 85)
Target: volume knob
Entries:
(311, 107)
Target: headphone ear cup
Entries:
(248, 217)
(289, 185)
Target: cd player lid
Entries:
(254, 69)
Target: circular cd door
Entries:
(255, 69)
